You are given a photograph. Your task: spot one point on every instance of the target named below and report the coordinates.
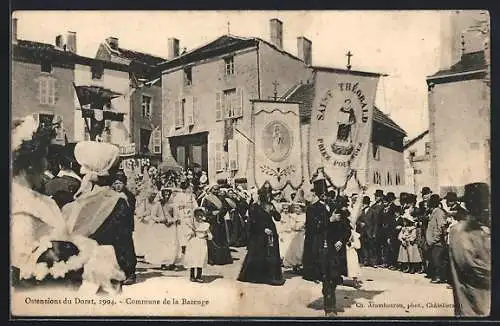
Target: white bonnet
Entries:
(96, 157)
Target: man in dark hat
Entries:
(372, 219)
(422, 214)
(326, 235)
(470, 254)
(63, 187)
(363, 226)
(455, 210)
(387, 228)
(435, 237)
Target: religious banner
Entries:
(277, 157)
(341, 125)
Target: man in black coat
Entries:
(325, 246)
(364, 227)
(372, 224)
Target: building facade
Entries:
(144, 95)
(207, 103)
(418, 164)
(459, 115)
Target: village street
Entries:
(384, 293)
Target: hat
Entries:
(319, 183)
(95, 159)
(403, 197)
(390, 196)
(412, 199)
(426, 191)
(366, 200)
(120, 176)
(379, 193)
(451, 196)
(434, 201)
(476, 197)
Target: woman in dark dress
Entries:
(262, 262)
(219, 252)
(238, 234)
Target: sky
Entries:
(403, 44)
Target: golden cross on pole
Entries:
(349, 55)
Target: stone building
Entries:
(417, 160)
(459, 106)
(207, 103)
(145, 95)
(44, 77)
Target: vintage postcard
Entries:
(250, 163)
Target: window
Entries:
(229, 104)
(229, 66)
(233, 154)
(179, 113)
(219, 157)
(188, 76)
(156, 140)
(146, 107)
(97, 71)
(398, 179)
(376, 178)
(46, 66)
(389, 179)
(427, 148)
(376, 152)
(47, 90)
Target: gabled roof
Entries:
(221, 45)
(469, 62)
(304, 94)
(138, 57)
(382, 118)
(33, 51)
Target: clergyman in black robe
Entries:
(262, 262)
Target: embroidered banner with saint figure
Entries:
(341, 125)
(277, 156)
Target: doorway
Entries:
(190, 150)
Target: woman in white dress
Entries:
(162, 241)
(284, 228)
(43, 250)
(196, 246)
(293, 256)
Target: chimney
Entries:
(112, 42)
(59, 41)
(71, 42)
(173, 48)
(276, 32)
(304, 50)
(14, 30)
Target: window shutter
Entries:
(177, 113)
(157, 141)
(218, 106)
(43, 90)
(60, 128)
(233, 154)
(218, 156)
(190, 111)
(52, 93)
(238, 106)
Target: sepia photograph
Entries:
(317, 164)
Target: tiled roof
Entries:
(32, 49)
(304, 94)
(141, 57)
(219, 46)
(469, 62)
(381, 117)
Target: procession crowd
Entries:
(77, 222)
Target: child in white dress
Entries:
(196, 245)
(353, 268)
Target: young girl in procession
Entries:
(353, 268)
(409, 254)
(293, 256)
(196, 257)
(284, 228)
